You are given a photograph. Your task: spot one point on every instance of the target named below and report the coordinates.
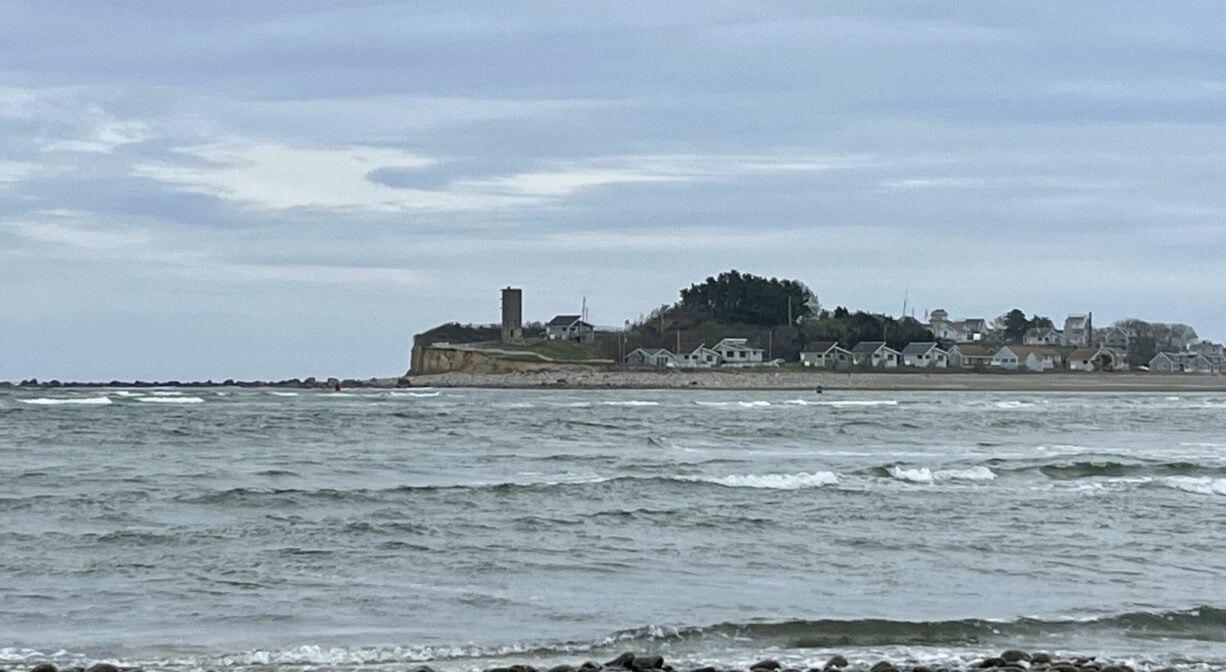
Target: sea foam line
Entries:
(87, 401)
(170, 400)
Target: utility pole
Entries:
(789, 311)
(770, 344)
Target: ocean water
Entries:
(222, 529)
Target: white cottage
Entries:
(736, 352)
(925, 355)
(826, 355)
(876, 354)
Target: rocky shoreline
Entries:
(1013, 660)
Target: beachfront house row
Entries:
(969, 356)
(925, 355)
(569, 328)
(658, 357)
(737, 352)
(875, 354)
(1043, 336)
(826, 355)
(1079, 330)
(1015, 357)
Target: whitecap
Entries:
(911, 474)
(967, 474)
(631, 402)
(1201, 485)
(166, 393)
(797, 481)
(1013, 404)
(753, 404)
(127, 393)
(926, 475)
(857, 402)
(84, 401)
(171, 400)
(282, 394)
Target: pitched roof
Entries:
(563, 320)
(867, 347)
(735, 344)
(1083, 353)
(971, 350)
(918, 348)
(822, 346)
(1024, 350)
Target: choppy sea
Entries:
(193, 529)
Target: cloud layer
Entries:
(296, 188)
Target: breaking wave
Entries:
(1203, 624)
(171, 400)
(926, 475)
(799, 481)
(1202, 485)
(86, 401)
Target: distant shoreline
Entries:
(718, 380)
(831, 382)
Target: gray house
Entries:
(826, 355)
(970, 356)
(651, 357)
(875, 354)
(925, 355)
(1079, 330)
(1164, 362)
(569, 328)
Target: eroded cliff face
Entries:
(432, 360)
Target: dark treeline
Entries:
(783, 316)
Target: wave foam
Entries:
(171, 400)
(798, 481)
(86, 401)
(928, 476)
(1201, 485)
(275, 393)
(631, 402)
(1013, 404)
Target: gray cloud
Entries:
(295, 188)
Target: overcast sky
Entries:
(293, 188)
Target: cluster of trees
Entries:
(735, 304)
(1154, 337)
(743, 298)
(850, 328)
(1014, 324)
